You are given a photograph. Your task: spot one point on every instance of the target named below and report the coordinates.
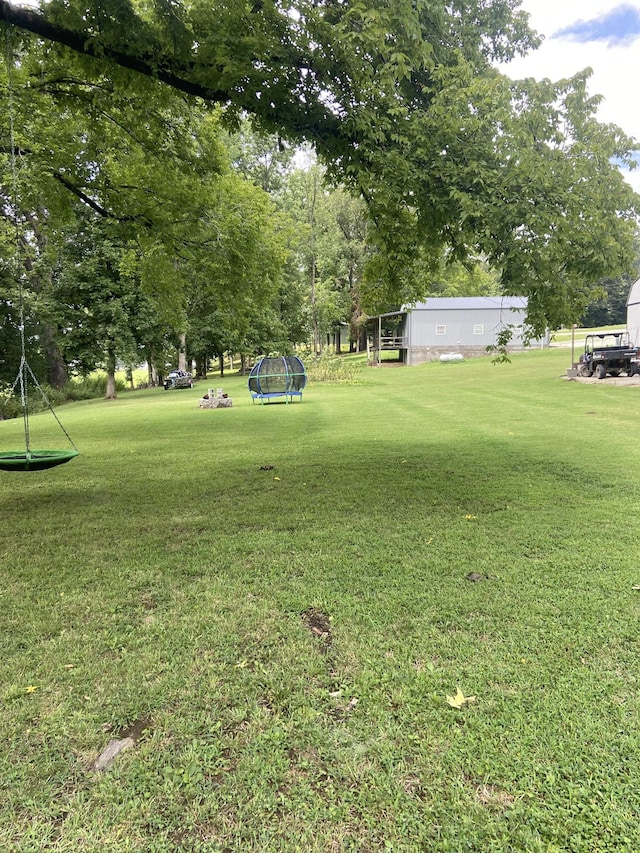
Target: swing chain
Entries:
(24, 371)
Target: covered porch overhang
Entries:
(387, 332)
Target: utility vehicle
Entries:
(608, 353)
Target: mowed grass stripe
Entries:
(163, 576)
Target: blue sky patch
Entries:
(634, 156)
(617, 27)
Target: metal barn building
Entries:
(445, 325)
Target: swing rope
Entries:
(29, 459)
(16, 225)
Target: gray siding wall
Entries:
(462, 328)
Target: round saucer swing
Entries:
(34, 460)
(27, 459)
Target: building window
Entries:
(441, 330)
(478, 329)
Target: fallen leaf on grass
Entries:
(636, 586)
(459, 699)
(276, 478)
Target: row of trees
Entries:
(152, 195)
(207, 241)
(228, 242)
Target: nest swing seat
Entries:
(273, 377)
(34, 460)
(28, 459)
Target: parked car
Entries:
(178, 379)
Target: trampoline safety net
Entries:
(283, 376)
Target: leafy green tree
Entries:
(98, 305)
(269, 164)
(457, 279)
(23, 277)
(342, 254)
(262, 158)
(329, 248)
(402, 103)
(143, 162)
(10, 352)
(610, 309)
(183, 221)
(236, 281)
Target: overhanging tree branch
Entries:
(297, 119)
(94, 205)
(27, 19)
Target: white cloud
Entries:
(616, 67)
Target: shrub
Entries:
(87, 388)
(11, 403)
(327, 367)
(90, 387)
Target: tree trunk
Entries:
(56, 368)
(202, 363)
(221, 363)
(111, 375)
(182, 352)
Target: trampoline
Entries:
(277, 377)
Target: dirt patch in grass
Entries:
(136, 729)
(318, 623)
(492, 797)
(610, 380)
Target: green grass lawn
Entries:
(564, 335)
(283, 639)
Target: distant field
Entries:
(401, 615)
(564, 335)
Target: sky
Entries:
(603, 36)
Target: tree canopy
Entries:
(401, 101)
